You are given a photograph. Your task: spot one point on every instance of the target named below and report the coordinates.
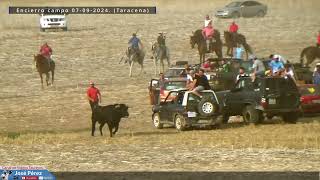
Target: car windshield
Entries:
(171, 85)
(234, 4)
(311, 90)
(173, 72)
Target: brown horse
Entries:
(216, 46)
(311, 53)
(233, 42)
(42, 65)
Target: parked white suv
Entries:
(53, 22)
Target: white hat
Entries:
(318, 64)
(275, 56)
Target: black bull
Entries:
(111, 115)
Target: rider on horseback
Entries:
(46, 51)
(207, 33)
(162, 41)
(134, 45)
(207, 21)
(233, 29)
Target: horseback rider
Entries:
(207, 33)
(233, 29)
(207, 21)
(162, 41)
(134, 43)
(318, 39)
(46, 51)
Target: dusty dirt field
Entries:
(51, 127)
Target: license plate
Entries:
(192, 114)
(203, 121)
(316, 101)
(272, 101)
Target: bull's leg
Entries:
(155, 66)
(100, 128)
(116, 128)
(52, 78)
(93, 125)
(110, 128)
(168, 57)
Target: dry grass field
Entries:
(51, 127)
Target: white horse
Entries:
(159, 53)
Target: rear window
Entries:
(311, 90)
(276, 84)
(171, 85)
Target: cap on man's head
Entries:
(134, 34)
(275, 56)
(318, 64)
(91, 83)
(252, 57)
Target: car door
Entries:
(175, 106)
(168, 106)
(247, 9)
(234, 99)
(154, 92)
(255, 7)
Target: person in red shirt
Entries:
(93, 95)
(233, 29)
(208, 33)
(46, 51)
(318, 39)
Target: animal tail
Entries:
(247, 47)
(301, 55)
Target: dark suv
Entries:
(263, 97)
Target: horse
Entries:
(311, 53)
(43, 67)
(215, 46)
(231, 43)
(160, 53)
(131, 57)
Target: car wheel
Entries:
(235, 15)
(180, 123)
(261, 14)
(291, 117)
(65, 29)
(207, 108)
(251, 115)
(157, 121)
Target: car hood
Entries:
(54, 16)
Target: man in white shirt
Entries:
(207, 21)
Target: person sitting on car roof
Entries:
(242, 73)
(223, 66)
(277, 66)
(206, 65)
(200, 83)
(288, 71)
(258, 66)
(316, 75)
